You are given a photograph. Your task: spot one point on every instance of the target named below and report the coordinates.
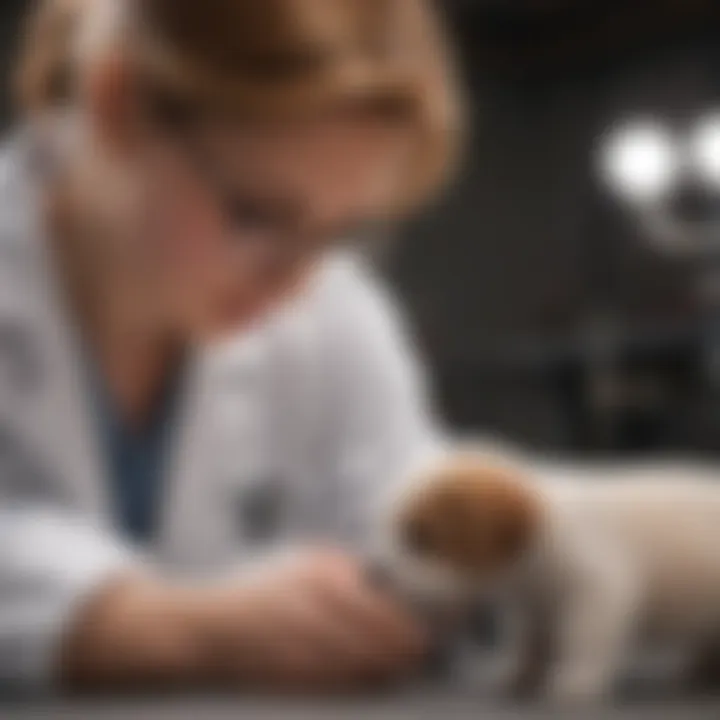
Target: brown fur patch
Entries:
(476, 516)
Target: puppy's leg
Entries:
(526, 669)
(596, 625)
(703, 672)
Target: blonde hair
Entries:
(263, 59)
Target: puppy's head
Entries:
(470, 520)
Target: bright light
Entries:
(705, 147)
(640, 161)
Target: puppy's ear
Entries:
(499, 504)
(515, 521)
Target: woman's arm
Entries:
(137, 632)
(76, 605)
(51, 566)
(77, 614)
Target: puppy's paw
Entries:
(508, 679)
(576, 688)
(520, 686)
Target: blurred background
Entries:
(565, 290)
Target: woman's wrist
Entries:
(138, 631)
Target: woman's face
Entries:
(232, 222)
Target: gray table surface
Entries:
(433, 701)
(466, 692)
(400, 708)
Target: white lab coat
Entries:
(306, 419)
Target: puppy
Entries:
(590, 564)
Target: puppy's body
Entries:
(606, 560)
(663, 534)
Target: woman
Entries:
(194, 372)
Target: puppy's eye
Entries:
(418, 538)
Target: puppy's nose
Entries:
(417, 537)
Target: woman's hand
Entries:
(314, 623)
(309, 624)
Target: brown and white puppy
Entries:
(590, 563)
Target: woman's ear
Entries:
(113, 103)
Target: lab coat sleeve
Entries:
(51, 562)
(51, 559)
(384, 427)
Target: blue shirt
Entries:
(135, 459)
